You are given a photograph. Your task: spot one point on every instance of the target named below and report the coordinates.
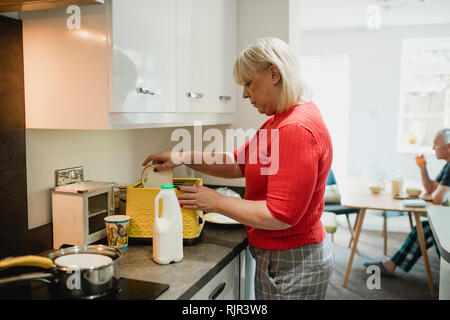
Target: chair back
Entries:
(331, 179)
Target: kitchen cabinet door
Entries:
(223, 53)
(131, 64)
(224, 285)
(193, 55)
(65, 70)
(144, 44)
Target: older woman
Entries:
(281, 209)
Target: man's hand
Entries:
(420, 161)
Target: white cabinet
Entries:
(223, 53)
(132, 64)
(224, 286)
(144, 44)
(193, 55)
(207, 44)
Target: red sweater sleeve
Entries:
(239, 156)
(289, 192)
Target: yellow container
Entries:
(141, 206)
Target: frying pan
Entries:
(74, 272)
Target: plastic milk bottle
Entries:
(168, 229)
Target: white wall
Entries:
(374, 91)
(328, 78)
(256, 19)
(114, 156)
(327, 14)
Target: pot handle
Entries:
(38, 276)
(26, 261)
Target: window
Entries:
(424, 93)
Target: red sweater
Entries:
(299, 148)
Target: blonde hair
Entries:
(262, 54)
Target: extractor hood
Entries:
(27, 5)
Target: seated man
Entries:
(409, 253)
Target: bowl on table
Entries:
(375, 189)
(413, 192)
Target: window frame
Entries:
(408, 45)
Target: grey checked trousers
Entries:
(300, 273)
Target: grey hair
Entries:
(262, 54)
(446, 136)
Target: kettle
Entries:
(167, 229)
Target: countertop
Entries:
(439, 218)
(218, 245)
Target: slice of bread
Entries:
(152, 179)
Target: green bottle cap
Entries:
(167, 186)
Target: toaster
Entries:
(140, 206)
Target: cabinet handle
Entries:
(225, 98)
(218, 290)
(194, 95)
(148, 91)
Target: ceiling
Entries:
(328, 14)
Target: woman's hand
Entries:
(199, 198)
(165, 160)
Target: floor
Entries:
(401, 286)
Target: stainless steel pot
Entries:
(77, 279)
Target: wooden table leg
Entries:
(410, 220)
(355, 243)
(350, 228)
(423, 249)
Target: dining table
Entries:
(355, 193)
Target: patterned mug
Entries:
(117, 231)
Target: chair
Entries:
(337, 208)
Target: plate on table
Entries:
(414, 203)
(218, 218)
(405, 196)
(426, 197)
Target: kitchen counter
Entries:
(218, 245)
(439, 218)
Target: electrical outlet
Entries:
(69, 175)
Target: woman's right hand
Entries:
(165, 160)
(420, 161)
